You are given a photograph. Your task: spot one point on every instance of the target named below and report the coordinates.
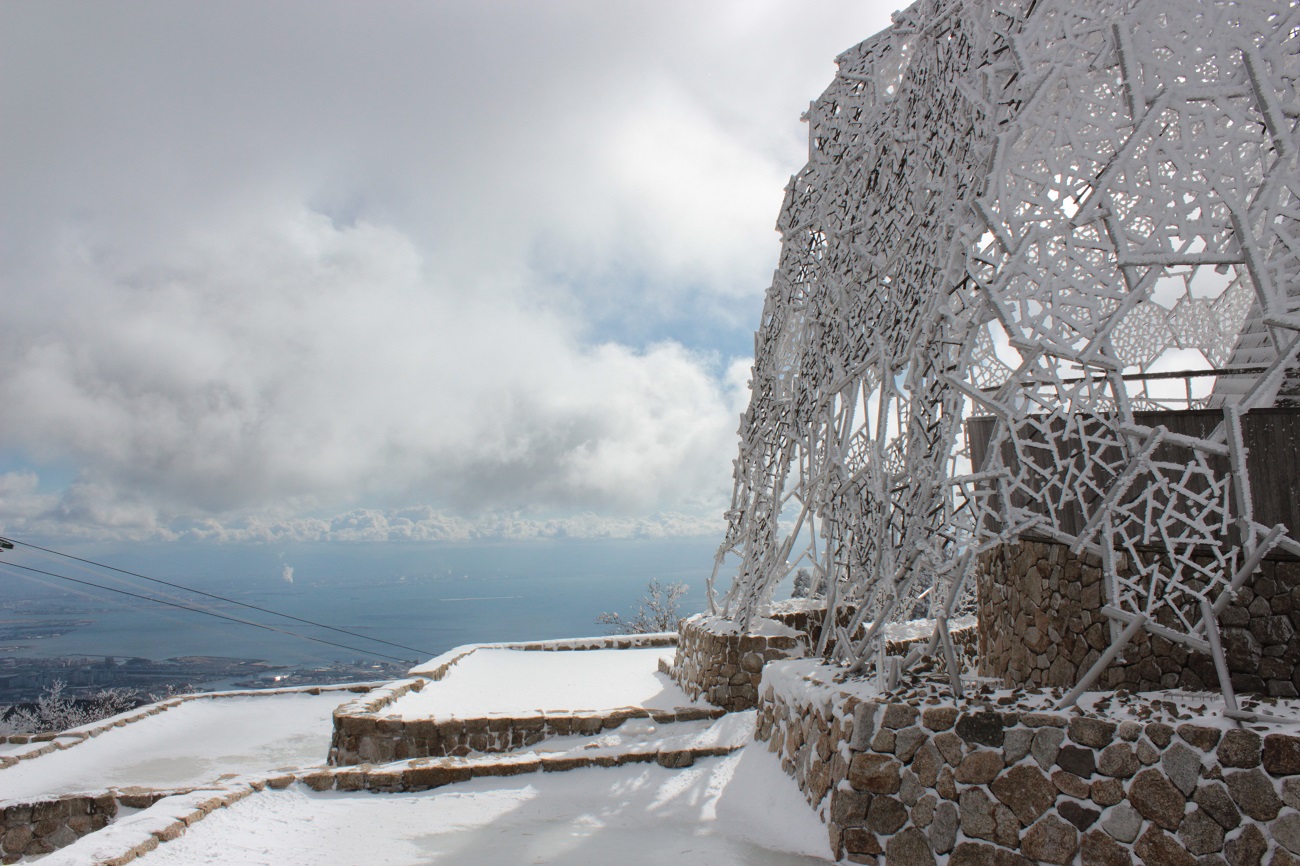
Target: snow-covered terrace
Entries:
(644, 790)
(499, 680)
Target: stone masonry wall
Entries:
(904, 786)
(364, 734)
(32, 829)
(370, 739)
(1040, 623)
(723, 667)
(726, 668)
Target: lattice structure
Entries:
(1055, 214)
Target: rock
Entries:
(1129, 731)
(849, 807)
(1199, 736)
(1016, 743)
(1282, 754)
(1148, 753)
(943, 829)
(1240, 748)
(1201, 834)
(923, 811)
(1253, 793)
(1051, 840)
(1183, 767)
(860, 840)
(979, 767)
(1071, 785)
(1286, 832)
(1046, 744)
(1080, 816)
(1119, 761)
(976, 811)
(907, 741)
(898, 716)
(1092, 732)
(949, 746)
(983, 729)
(911, 789)
(1160, 734)
(1282, 857)
(1157, 799)
(939, 718)
(1241, 648)
(1216, 802)
(886, 815)
(1271, 630)
(1156, 846)
(908, 848)
(1291, 792)
(1248, 849)
(1007, 826)
(926, 763)
(1076, 760)
(864, 726)
(946, 786)
(1098, 849)
(878, 774)
(1106, 792)
(1026, 791)
(978, 854)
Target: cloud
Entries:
(303, 361)
(292, 270)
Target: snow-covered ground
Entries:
(736, 810)
(187, 745)
(517, 681)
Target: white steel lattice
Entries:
(1055, 214)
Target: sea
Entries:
(424, 598)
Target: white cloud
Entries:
(274, 262)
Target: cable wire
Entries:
(218, 597)
(6, 565)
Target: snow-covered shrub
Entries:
(55, 710)
(658, 611)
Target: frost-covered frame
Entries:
(1055, 214)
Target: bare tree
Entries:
(55, 710)
(657, 611)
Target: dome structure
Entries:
(1025, 230)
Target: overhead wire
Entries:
(27, 544)
(134, 605)
(12, 565)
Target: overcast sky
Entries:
(328, 270)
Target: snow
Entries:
(187, 745)
(519, 681)
(730, 811)
(646, 735)
(813, 682)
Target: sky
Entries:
(390, 271)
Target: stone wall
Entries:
(905, 786)
(724, 667)
(1040, 623)
(32, 829)
(34, 745)
(367, 738)
(363, 733)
